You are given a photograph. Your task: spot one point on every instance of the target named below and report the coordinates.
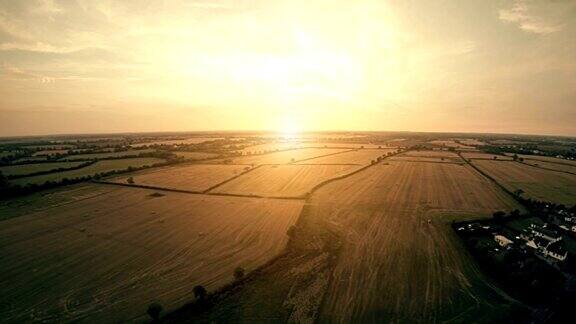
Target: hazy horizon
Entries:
(85, 67)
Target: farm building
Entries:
(502, 240)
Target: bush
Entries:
(239, 273)
(200, 292)
(154, 311)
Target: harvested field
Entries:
(472, 142)
(485, 156)
(187, 141)
(407, 158)
(361, 157)
(286, 157)
(283, 180)
(98, 167)
(49, 152)
(23, 169)
(563, 167)
(107, 155)
(195, 155)
(431, 154)
(536, 183)
(271, 147)
(400, 260)
(345, 145)
(105, 259)
(451, 143)
(197, 177)
(548, 159)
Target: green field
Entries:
(98, 167)
(23, 169)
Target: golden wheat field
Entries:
(400, 261)
(285, 157)
(283, 180)
(196, 177)
(105, 258)
(485, 156)
(536, 183)
(358, 156)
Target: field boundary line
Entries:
(554, 162)
(230, 179)
(542, 168)
(489, 177)
(192, 192)
(441, 162)
(320, 156)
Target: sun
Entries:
(289, 128)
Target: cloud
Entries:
(525, 15)
(14, 73)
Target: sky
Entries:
(78, 66)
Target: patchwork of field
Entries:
(344, 145)
(195, 155)
(400, 261)
(271, 147)
(187, 141)
(23, 169)
(472, 142)
(107, 155)
(563, 167)
(106, 258)
(409, 158)
(196, 177)
(485, 156)
(286, 157)
(93, 169)
(536, 183)
(451, 143)
(359, 157)
(290, 180)
(49, 152)
(431, 154)
(548, 159)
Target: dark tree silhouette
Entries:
(239, 273)
(200, 292)
(154, 311)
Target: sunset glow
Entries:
(102, 66)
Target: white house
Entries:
(502, 240)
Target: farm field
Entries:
(451, 143)
(283, 180)
(360, 157)
(195, 155)
(23, 169)
(285, 157)
(98, 167)
(196, 177)
(471, 142)
(564, 167)
(400, 261)
(344, 145)
(96, 156)
(271, 147)
(433, 154)
(105, 258)
(536, 183)
(187, 141)
(49, 152)
(408, 158)
(485, 156)
(548, 159)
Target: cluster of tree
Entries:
(80, 166)
(8, 190)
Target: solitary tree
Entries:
(200, 292)
(154, 311)
(238, 273)
(130, 180)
